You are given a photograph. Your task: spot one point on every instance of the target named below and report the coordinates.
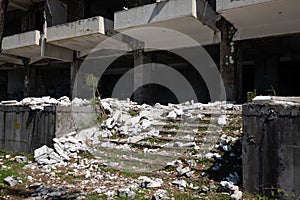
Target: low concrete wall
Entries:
(24, 130)
(271, 148)
(73, 118)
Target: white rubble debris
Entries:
(64, 149)
(262, 99)
(180, 183)
(128, 122)
(21, 159)
(147, 182)
(237, 195)
(212, 155)
(222, 120)
(160, 195)
(229, 185)
(12, 180)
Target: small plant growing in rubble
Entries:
(91, 83)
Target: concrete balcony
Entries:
(193, 18)
(82, 35)
(30, 45)
(23, 44)
(61, 41)
(261, 18)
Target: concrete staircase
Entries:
(179, 138)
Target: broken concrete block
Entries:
(229, 185)
(12, 180)
(160, 195)
(146, 124)
(180, 183)
(61, 153)
(55, 156)
(135, 139)
(110, 123)
(12, 102)
(222, 120)
(44, 150)
(262, 99)
(21, 159)
(172, 115)
(147, 182)
(237, 195)
(182, 171)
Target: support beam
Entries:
(144, 94)
(207, 15)
(228, 59)
(73, 73)
(18, 5)
(138, 75)
(57, 52)
(27, 80)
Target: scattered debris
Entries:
(12, 180)
(178, 143)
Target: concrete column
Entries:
(140, 75)
(27, 79)
(228, 61)
(73, 73)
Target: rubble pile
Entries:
(177, 147)
(39, 103)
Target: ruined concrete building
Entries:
(254, 43)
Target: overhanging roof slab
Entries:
(81, 35)
(261, 18)
(180, 15)
(24, 44)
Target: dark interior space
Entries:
(289, 83)
(248, 80)
(20, 21)
(274, 67)
(3, 84)
(159, 94)
(53, 80)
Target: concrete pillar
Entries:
(143, 94)
(73, 73)
(27, 78)
(228, 61)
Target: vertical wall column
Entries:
(228, 59)
(73, 73)
(143, 94)
(27, 78)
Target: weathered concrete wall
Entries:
(24, 130)
(271, 148)
(73, 118)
